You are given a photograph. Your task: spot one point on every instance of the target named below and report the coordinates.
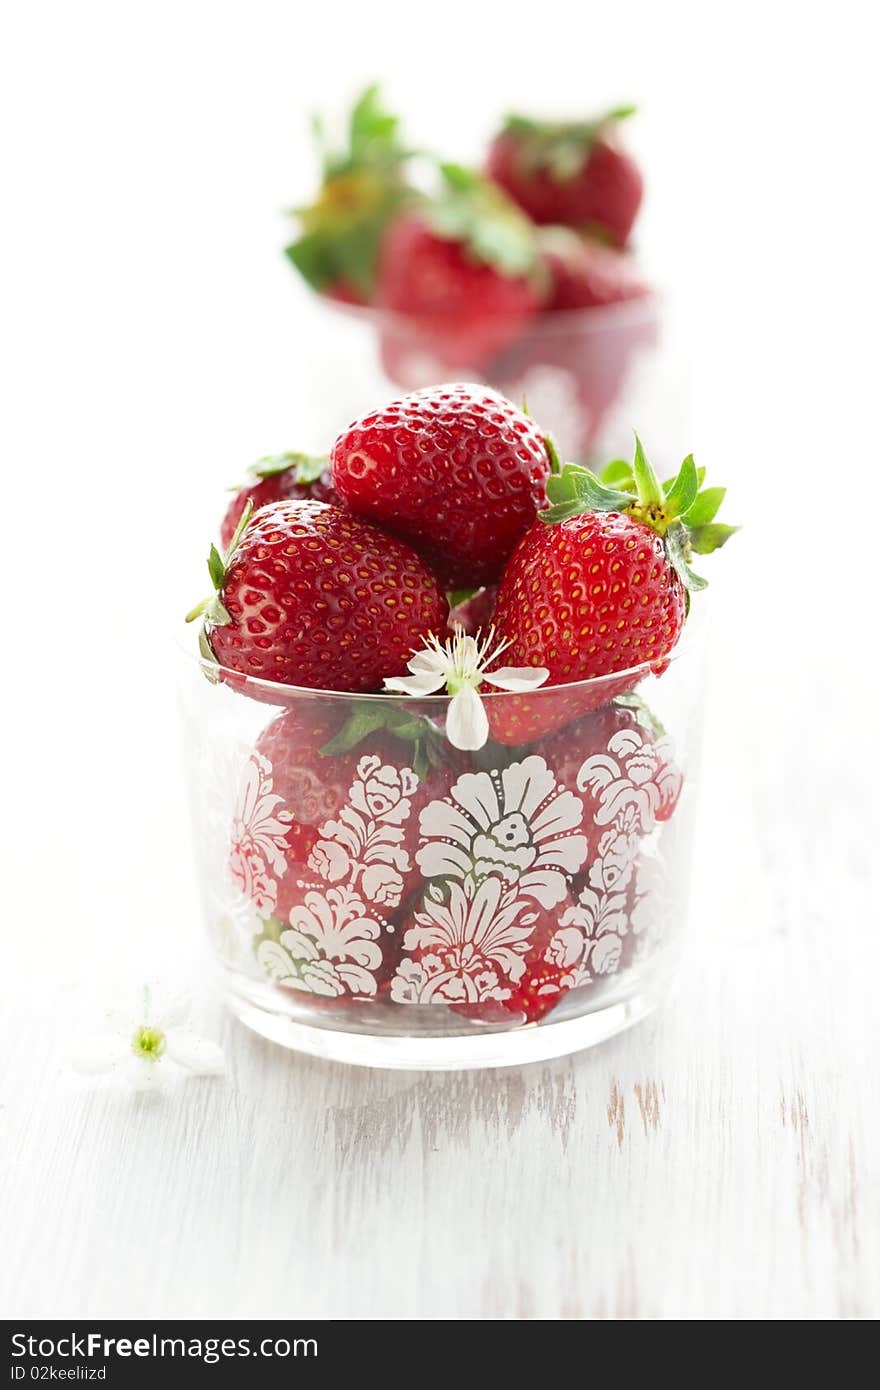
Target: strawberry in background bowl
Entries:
(570, 173)
(520, 273)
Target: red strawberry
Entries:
(447, 311)
(457, 471)
(309, 595)
(278, 479)
(584, 274)
(324, 841)
(362, 189)
(601, 583)
(459, 278)
(570, 173)
(517, 720)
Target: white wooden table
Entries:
(720, 1161)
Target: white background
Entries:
(154, 342)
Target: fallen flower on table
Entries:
(148, 1048)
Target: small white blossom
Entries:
(460, 665)
(147, 1048)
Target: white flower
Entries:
(518, 825)
(148, 1048)
(460, 665)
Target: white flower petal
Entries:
(144, 1074)
(415, 685)
(517, 677)
(169, 1011)
(429, 662)
(467, 726)
(99, 1055)
(197, 1055)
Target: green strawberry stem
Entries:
(678, 511)
(517, 124)
(561, 147)
(495, 232)
(363, 187)
(553, 454)
(307, 467)
(212, 609)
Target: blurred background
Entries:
(156, 341)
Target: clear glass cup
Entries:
(375, 896)
(594, 374)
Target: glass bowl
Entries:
(375, 896)
(596, 374)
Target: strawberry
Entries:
(456, 471)
(570, 173)
(309, 595)
(362, 189)
(600, 584)
(585, 274)
(280, 478)
(459, 278)
(341, 784)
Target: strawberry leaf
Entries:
(213, 609)
(705, 539)
(455, 597)
(650, 493)
(364, 720)
(677, 551)
(552, 451)
(206, 651)
(363, 188)
(216, 568)
(705, 508)
(561, 148)
(683, 492)
(308, 468)
(670, 482)
(236, 537)
(676, 510)
(492, 228)
(619, 473)
(584, 490)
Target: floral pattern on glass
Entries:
(498, 852)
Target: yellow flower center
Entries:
(149, 1043)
